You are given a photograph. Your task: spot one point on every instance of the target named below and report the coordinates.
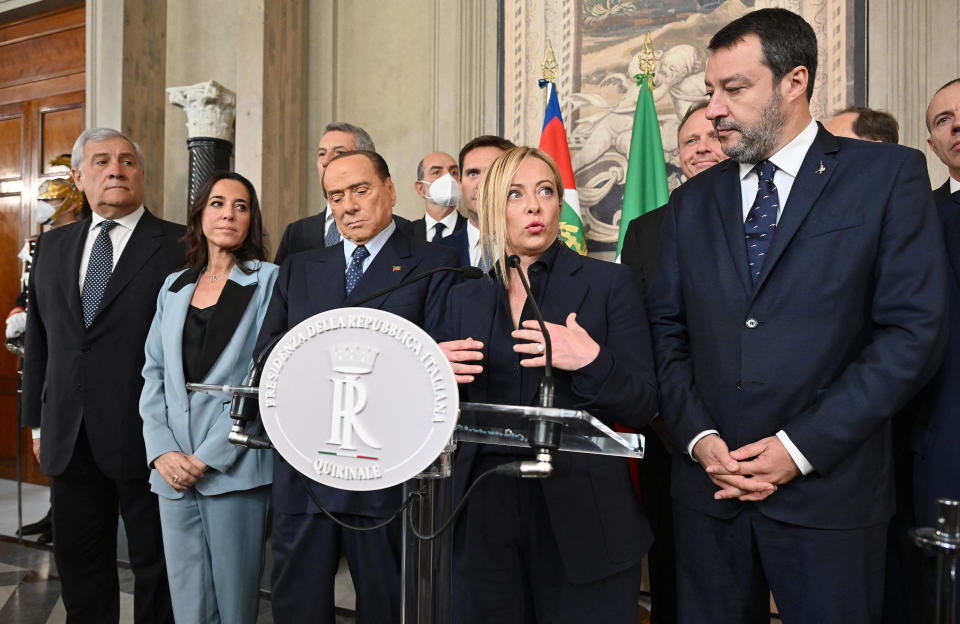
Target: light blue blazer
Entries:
(198, 423)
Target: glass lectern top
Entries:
(506, 425)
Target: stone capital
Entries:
(210, 108)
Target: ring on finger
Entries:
(539, 347)
(176, 478)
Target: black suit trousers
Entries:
(306, 553)
(726, 569)
(510, 570)
(85, 542)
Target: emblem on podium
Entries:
(358, 399)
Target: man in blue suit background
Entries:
(373, 255)
(799, 302)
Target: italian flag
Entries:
(553, 141)
(645, 188)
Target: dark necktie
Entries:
(355, 272)
(333, 235)
(99, 268)
(437, 232)
(761, 223)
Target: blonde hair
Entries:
(492, 201)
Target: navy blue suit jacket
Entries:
(461, 243)
(593, 508)
(937, 427)
(312, 282)
(850, 316)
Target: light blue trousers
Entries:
(214, 549)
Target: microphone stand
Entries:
(542, 435)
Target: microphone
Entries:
(542, 434)
(469, 272)
(243, 409)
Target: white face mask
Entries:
(44, 211)
(444, 191)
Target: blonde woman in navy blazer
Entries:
(214, 496)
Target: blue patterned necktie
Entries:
(333, 235)
(761, 223)
(99, 268)
(437, 232)
(355, 272)
(484, 264)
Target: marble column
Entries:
(211, 111)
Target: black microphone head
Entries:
(513, 260)
(471, 272)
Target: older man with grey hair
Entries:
(92, 295)
(320, 230)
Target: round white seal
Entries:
(358, 399)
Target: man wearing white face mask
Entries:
(438, 183)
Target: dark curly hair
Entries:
(253, 246)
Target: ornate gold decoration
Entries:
(550, 67)
(647, 62)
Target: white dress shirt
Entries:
(473, 244)
(118, 236)
(374, 245)
(954, 185)
(787, 160)
(449, 221)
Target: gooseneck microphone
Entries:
(469, 272)
(543, 434)
(245, 408)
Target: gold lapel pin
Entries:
(822, 168)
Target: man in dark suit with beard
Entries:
(373, 254)
(799, 302)
(82, 381)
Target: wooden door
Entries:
(41, 114)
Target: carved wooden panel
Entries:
(59, 128)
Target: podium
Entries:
(328, 402)
(428, 564)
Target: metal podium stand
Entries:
(428, 564)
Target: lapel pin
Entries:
(822, 168)
(396, 268)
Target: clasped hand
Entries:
(573, 348)
(749, 473)
(179, 470)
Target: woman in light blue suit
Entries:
(213, 495)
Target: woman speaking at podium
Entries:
(570, 546)
(213, 495)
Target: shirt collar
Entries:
(374, 245)
(128, 221)
(549, 257)
(954, 185)
(450, 221)
(473, 235)
(789, 157)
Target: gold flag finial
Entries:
(549, 64)
(646, 61)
